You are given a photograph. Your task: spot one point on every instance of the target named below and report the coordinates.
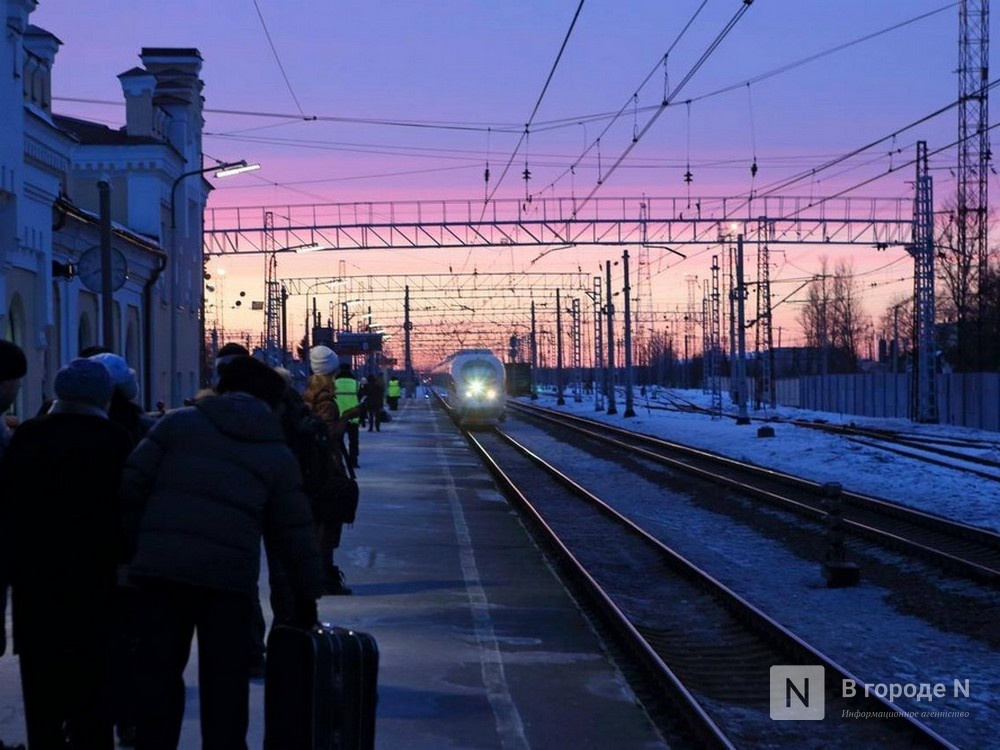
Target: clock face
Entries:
(88, 268)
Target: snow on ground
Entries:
(864, 628)
(818, 456)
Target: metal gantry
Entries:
(274, 296)
(763, 329)
(974, 155)
(715, 340)
(577, 340)
(493, 305)
(599, 382)
(924, 389)
(430, 309)
(555, 222)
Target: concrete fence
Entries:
(963, 399)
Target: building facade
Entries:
(73, 192)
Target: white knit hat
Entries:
(322, 360)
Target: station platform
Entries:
(480, 645)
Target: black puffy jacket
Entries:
(203, 487)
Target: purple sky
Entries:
(455, 83)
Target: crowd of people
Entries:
(148, 529)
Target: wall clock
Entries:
(88, 268)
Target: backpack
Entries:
(333, 494)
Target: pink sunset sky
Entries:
(401, 101)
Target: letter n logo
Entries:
(797, 692)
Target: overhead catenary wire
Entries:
(810, 174)
(824, 53)
(673, 95)
(277, 59)
(660, 61)
(538, 126)
(534, 111)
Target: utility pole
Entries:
(534, 352)
(107, 288)
(598, 347)
(629, 406)
(411, 383)
(559, 352)
(741, 338)
(612, 409)
(575, 337)
(714, 340)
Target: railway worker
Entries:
(61, 525)
(392, 393)
(346, 394)
(198, 494)
(327, 479)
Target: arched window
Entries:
(85, 333)
(15, 331)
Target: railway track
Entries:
(961, 549)
(954, 454)
(699, 643)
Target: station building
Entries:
(69, 186)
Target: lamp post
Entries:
(226, 169)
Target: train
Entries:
(475, 380)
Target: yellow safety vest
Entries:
(347, 395)
(393, 388)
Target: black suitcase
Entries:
(320, 689)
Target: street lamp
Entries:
(225, 169)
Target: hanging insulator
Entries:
(526, 174)
(688, 177)
(486, 175)
(753, 169)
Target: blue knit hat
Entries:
(85, 381)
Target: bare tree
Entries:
(956, 271)
(965, 300)
(832, 318)
(896, 325)
(848, 321)
(814, 316)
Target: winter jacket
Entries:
(320, 396)
(374, 395)
(61, 525)
(202, 488)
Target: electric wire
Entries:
(534, 111)
(673, 95)
(543, 125)
(277, 59)
(660, 61)
(788, 182)
(824, 53)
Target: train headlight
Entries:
(491, 393)
(475, 389)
